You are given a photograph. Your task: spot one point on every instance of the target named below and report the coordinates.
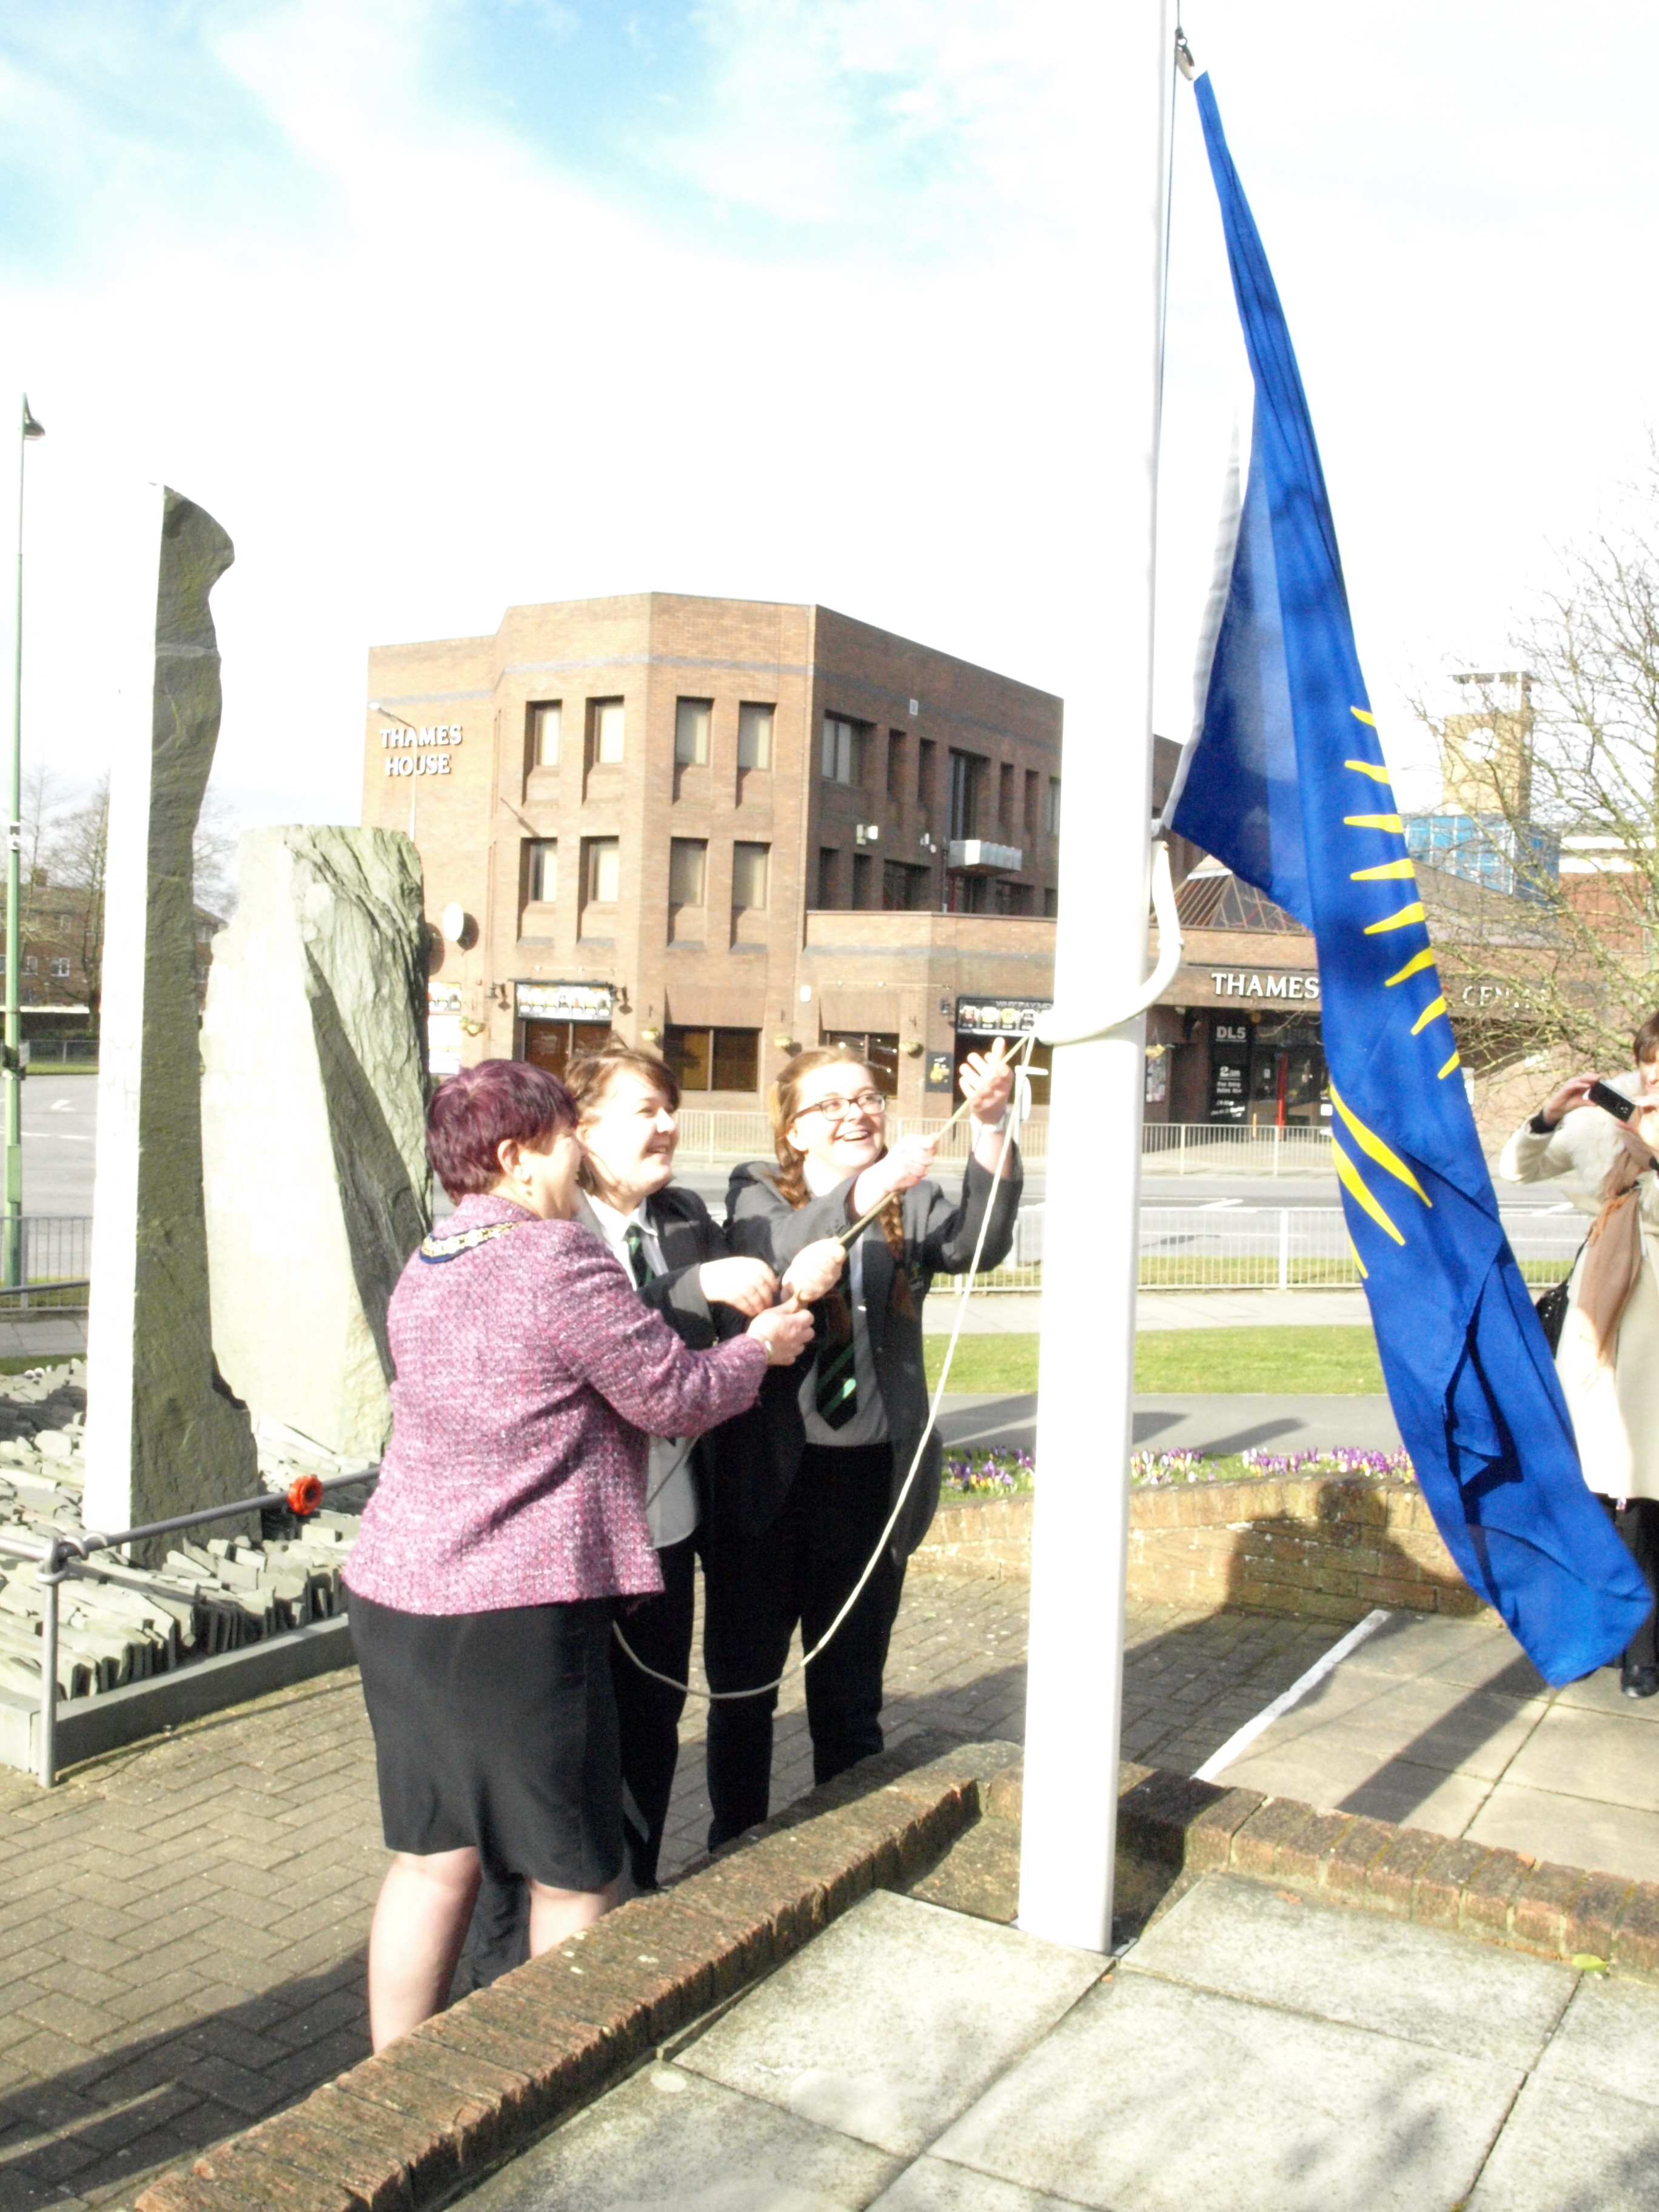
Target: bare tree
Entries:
(74, 844)
(1555, 765)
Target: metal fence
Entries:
(1179, 1148)
(1272, 1247)
(708, 1136)
(56, 1261)
(1233, 1148)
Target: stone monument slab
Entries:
(313, 1125)
(164, 1434)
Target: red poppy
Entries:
(305, 1494)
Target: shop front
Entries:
(556, 1021)
(981, 1020)
(1240, 1045)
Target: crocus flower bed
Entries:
(989, 1473)
(1011, 1475)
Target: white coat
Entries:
(1615, 1410)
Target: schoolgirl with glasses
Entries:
(837, 1438)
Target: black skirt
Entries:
(497, 1730)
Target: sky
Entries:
(442, 306)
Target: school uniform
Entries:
(809, 1479)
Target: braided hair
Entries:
(783, 1104)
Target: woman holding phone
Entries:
(1601, 1140)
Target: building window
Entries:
(60, 968)
(748, 874)
(860, 879)
(879, 1049)
(1032, 781)
(903, 888)
(551, 1044)
(927, 751)
(541, 877)
(755, 736)
(713, 1060)
(687, 861)
(691, 731)
(603, 886)
(828, 874)
(1050, 903)
(896, 763)
(545, 717)
(966, 783)
(604, 731)
(1054, 807)
(1015, 898)
(31, 965)
(843, 749)
(1005, 798)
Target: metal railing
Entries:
(59, 1558)
(56, 1262)
(710, 1136)
(1233, 1148)
(1280, 1248)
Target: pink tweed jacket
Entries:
(529, 1375)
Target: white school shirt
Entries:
(670, 1495)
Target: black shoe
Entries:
(1638, 1681)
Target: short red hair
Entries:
(486, 1106)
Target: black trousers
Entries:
(648, 1713)
(797, 1571)
(1638, 1524)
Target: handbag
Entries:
(1552, 1306)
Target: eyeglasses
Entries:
(837, 1109)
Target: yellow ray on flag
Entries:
(1454, 1061)
(1364, 1272)
(1403, 919)
(1389, 868)
(1432, 1012)
(1370, 1143)
(1414, 966)
(1360, 715)
(1391, 823)
(1371, 769)
(1351, 1181)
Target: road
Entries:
(59, 1120)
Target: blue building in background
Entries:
(1486, 849)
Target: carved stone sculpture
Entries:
(164, 1435)
(313, 1125)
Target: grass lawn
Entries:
(1337, 1358)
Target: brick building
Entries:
(726, 827)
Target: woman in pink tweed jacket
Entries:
(509, 1519)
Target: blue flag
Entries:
(1285, 780)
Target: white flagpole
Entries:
(1074, 1698)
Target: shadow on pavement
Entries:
(91, 2130)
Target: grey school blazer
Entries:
(938, 1240)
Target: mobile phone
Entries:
(1610, 1102)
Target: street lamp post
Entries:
(12, 1072)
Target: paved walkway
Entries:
(1250, 2051)
(1213, 1423)
(1443, 1724)
(182, 1924)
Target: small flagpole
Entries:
(1074, 1697)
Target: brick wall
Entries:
(1326, 1549)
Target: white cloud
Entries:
(439, 374)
